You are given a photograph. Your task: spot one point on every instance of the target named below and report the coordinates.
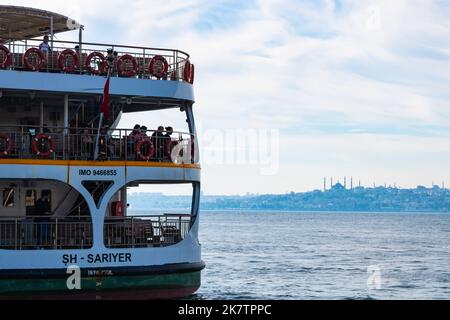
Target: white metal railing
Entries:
(57, 143)
(76, 233)
(139, 60)
(145, 231)
(45, 233)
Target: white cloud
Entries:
(317, 65)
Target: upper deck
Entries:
(80, 68)
(28, 63)
(55, 89)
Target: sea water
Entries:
(298, 255)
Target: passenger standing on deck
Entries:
(46, 49)
(144, 131)
(167, 143)
(133, 137)
(104, 143)
(157, 140)
(143, 135)
(44, 46)
(169, 132)
(87, 144)
(111, 61)
(42, 209)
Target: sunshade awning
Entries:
(21, 23)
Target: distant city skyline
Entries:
(351, 182)
(359, 199)
(323, 88)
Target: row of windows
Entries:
(8, 198)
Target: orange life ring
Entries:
(121, 64)
(7, 59)
(150, 150)
(43, 145)
(101, 67)
(187, 71)
(6, 143)
(158, 67)
(62, 61)
(40, 59)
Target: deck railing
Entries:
(45, 233)
(57, 143)
(75, 233)
(92, 60)
(145, 231)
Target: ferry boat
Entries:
(66, 230)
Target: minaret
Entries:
(331, 182)
(359, 183)
(324, 184)
(345, 182)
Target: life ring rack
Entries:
(150, 150)
(39, 141)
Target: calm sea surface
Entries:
(288, 255)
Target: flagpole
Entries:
(97, 139)
(100, 120)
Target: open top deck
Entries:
(31, 63)
(27, 23)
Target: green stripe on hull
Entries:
(155, 281)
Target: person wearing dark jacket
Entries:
(157, 140)
(132, 138)
(167, 143)
(42, 208)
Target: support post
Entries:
(51, 32)
(80, 48)
(97, 139)
(124, 199)
(66, 113)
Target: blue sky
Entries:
(353, 88)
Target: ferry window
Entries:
(49, 194)
(8, 198)
(30, 201)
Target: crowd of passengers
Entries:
(108, 144)
(82, 141)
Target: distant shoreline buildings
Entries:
(327, 187)
(337, 198)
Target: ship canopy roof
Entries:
(21, 23)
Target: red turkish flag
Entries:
(105, 104)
